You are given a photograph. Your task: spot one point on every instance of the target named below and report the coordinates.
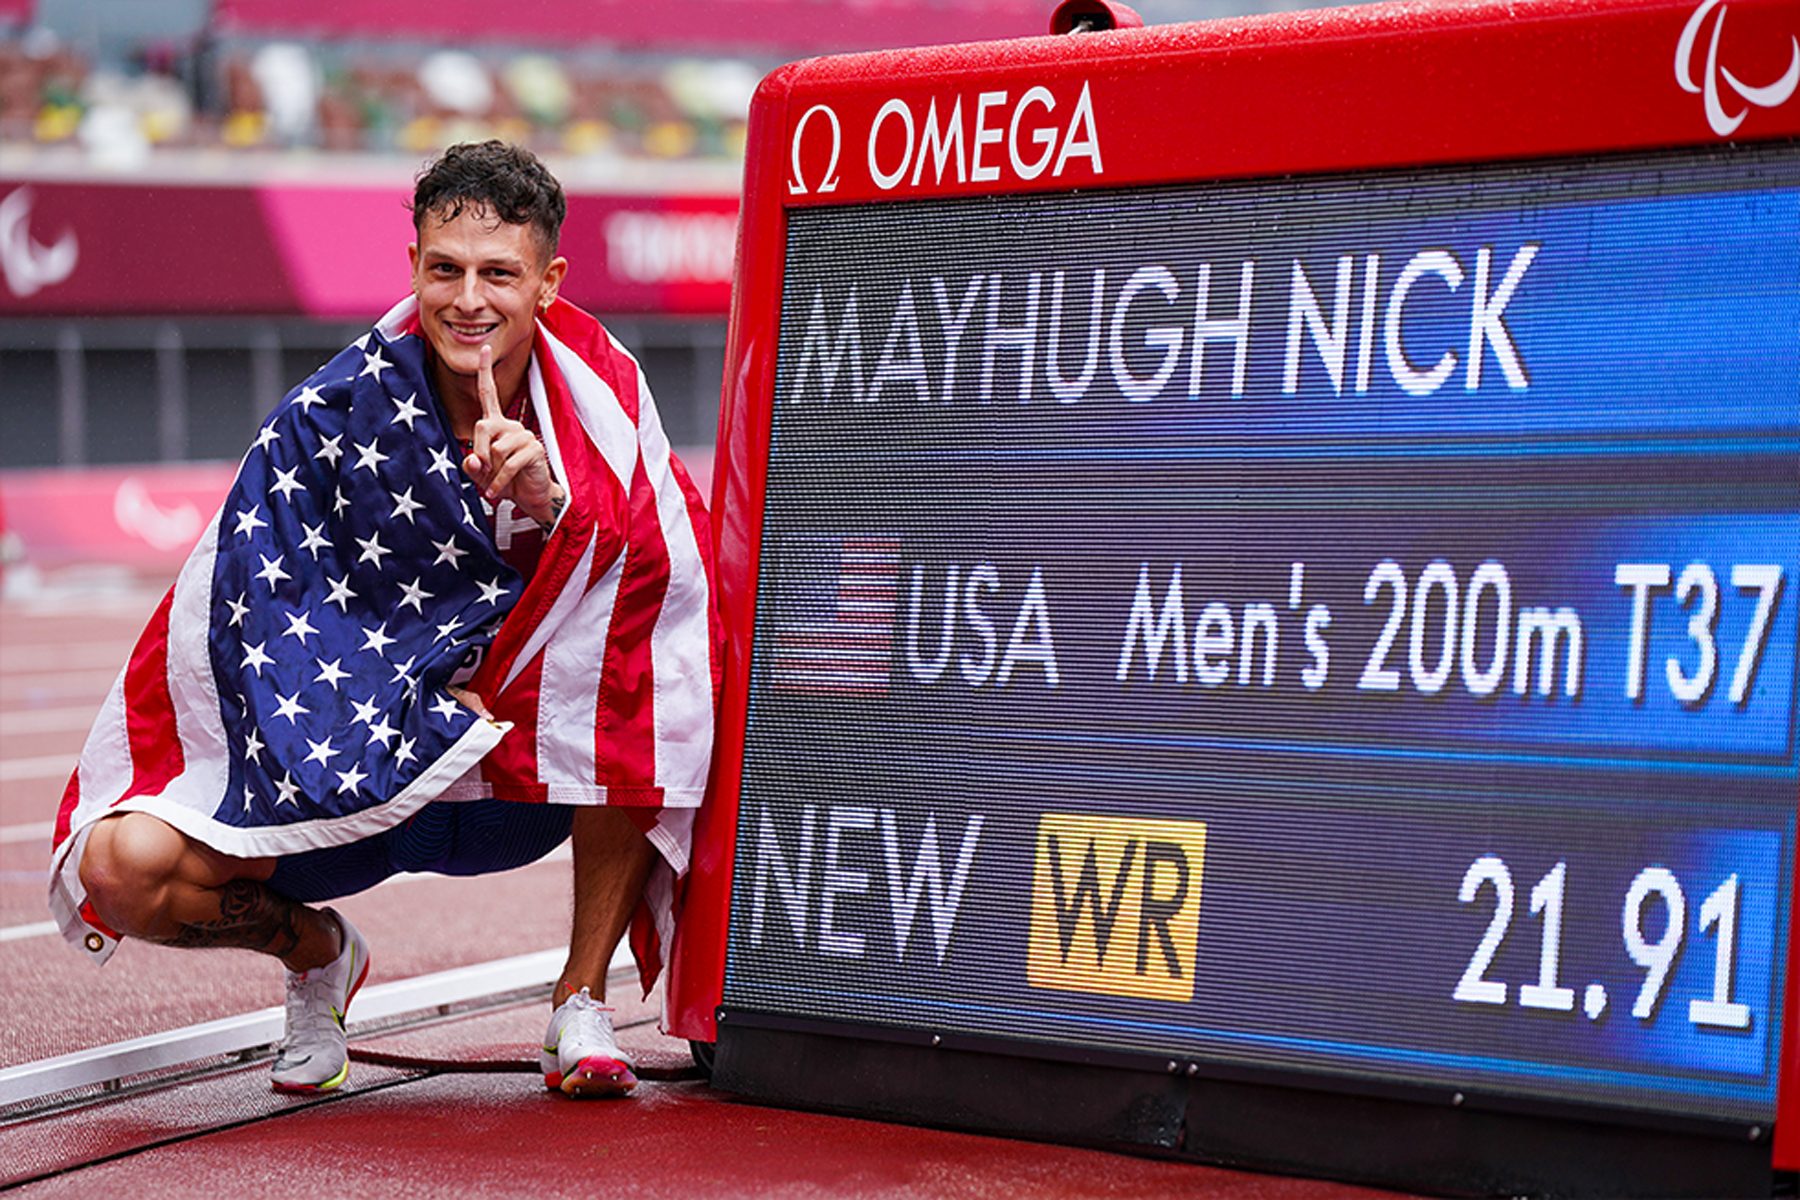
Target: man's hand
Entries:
(471, 701)
(508, 462)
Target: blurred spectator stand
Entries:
(200, 200)
(763, 26)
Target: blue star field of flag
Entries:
(355, 575)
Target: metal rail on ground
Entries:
(424, 995)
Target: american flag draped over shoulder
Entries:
(290, 691)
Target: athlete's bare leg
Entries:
(612, 860)
(148, 880)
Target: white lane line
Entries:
(60, 604)
(50, 766)
(90, 655)
(20, 680)
(48, 720)
(37, 831)
(60, 681)
(561, 854)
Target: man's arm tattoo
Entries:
(251, 917)
(557, 503)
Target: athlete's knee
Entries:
(127, 867)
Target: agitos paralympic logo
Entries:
(1115, 906)
(1771, 95)
(26, 265)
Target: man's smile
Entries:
(468, 332)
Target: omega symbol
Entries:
(829, 181)
(1768, 96)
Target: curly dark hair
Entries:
(507, 180)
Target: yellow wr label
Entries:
(1115, 905)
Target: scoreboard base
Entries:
(1375, 1140)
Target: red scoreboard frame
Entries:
(1348, 89)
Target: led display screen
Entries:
(1337, 625)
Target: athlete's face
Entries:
(481, 281)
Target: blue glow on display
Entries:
(1389, 674)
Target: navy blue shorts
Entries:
(472, 837)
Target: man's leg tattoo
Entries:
(251, 917)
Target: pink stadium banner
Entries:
(144, 518)
(71, 249)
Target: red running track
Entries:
(458, 1135)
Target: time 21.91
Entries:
(1653, 888)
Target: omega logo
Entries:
(1771, 95)
(981, 137)
(829, 181)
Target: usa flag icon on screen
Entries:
(834, 618)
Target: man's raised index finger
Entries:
(484, 384)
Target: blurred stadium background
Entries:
(201, 198)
